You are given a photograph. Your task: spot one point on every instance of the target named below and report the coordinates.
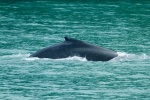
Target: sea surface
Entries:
(29, 25)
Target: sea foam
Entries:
(123, 56)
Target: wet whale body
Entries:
(73, 47)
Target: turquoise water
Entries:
(27, 26)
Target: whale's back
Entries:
(72, 47)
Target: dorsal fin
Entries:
(66, 38)
(72, 40)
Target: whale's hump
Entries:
(72, 40)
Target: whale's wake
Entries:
(122, 56)
(74, 58)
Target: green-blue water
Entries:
(27, 26)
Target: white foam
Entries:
(74, 58)
(123, 56)
(31, 58)
(68, 58)
(16, 55)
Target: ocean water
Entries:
(29, 25)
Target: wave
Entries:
(19, 55)
(74, 58)
(61, 59)
(122, 56)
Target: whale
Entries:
(74, 47)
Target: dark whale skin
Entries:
(73, 47)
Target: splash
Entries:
(31, 58)
(16, 55)
(74, 58)
(123, 56)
